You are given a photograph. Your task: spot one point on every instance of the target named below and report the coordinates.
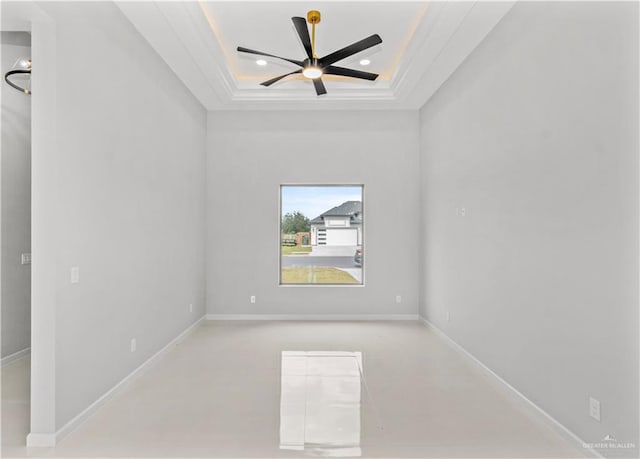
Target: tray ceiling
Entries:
(423, 43)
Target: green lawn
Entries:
(316, 275)
(291, 249)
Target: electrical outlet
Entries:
(75, 275)
(594, 408)
(134, 345)
(461, 211)
(252, 298)
(191, 308)
(25, 259)
(398, 298)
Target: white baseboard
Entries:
(314, 317)
(532, 407)
(46, 440)
(15, 356)
(39, 440)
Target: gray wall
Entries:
(120, 194)
(250, 154)
(16, 202)
(536, 135)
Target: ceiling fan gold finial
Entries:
(313, 18)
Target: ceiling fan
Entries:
(313, 67)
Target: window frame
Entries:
(279, 232)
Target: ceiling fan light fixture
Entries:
(365, 62)
(313, 67)
(261, 62)
(312, 72)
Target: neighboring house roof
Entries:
(346, 209)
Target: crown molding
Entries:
(151, 22)
(478, 21)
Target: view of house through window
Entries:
(321, 234)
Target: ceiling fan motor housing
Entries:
(311, 63)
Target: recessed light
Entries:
(365, 62)
(261, 62)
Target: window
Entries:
(321, 234)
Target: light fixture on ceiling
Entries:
(261, 62)
(313, 67)
(312, 72)
(365, 62)
(22, 68)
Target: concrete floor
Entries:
(218, 394)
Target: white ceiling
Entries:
(423, 44)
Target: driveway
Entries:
(310, 260)
(333, 250)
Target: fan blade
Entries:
(273, 80)
(303, 33)
(320, 89)
(260, 53)
(350, 50)
(333, 70)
